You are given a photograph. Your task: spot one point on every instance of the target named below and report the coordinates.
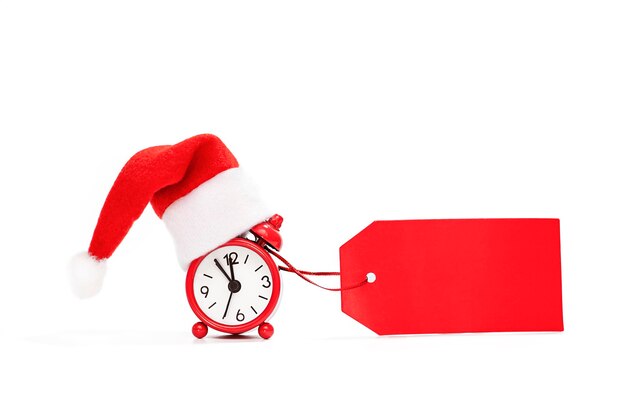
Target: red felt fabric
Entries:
(160, 175)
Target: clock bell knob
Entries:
(267, 232)
(276, 221)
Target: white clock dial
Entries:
(233, 285)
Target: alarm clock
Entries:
(235, 287)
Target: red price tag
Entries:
(440, 276)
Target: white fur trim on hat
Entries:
(86, 275)
(220, 209)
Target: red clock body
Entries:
(234, 288)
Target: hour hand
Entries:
(232, 272)
(219, 266)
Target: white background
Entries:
(344, 112)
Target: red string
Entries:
(287, 269)
(302, 273)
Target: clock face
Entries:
(235, 286)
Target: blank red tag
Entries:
(440, 276)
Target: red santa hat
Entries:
(196, 187)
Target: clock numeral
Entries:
(205, 291)
(231, 258)
(240, 316)
(267, 281)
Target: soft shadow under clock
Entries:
(113, 337)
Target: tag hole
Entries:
(371, 277)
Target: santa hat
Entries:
(196, 187)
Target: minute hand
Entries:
(219, 266)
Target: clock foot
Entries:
(266, 330)
(199, 330)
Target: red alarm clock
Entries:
(236, 287)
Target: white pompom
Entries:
(86, 275)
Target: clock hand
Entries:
(227, 305)
(219, 266)
(232, 272)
